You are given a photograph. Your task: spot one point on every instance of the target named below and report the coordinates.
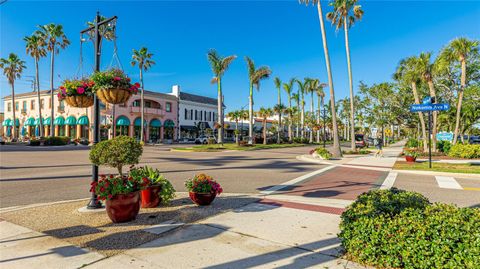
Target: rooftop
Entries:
(197, 98)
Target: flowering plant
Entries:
(203, 184)
(111, 79)
(155, 178)
(109, 186)
(75, 87)
(411, 153)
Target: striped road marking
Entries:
(448, 183)
(389, 181)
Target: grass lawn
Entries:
(217, 147)
(438, 167)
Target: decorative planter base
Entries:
(150, 197)
(114, 96)
(410, 159)
(123, 207)
(79, 101)
(202, 198)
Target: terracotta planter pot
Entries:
(123, 207)
(410, 159)
(79, 101)
(114, 96)
(202, 198)
(150, 197)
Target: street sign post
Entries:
(428, 105)
(444, 136)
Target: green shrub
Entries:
(56, 140)
(399, 229)
(324, 153)
(167, 191)
(300, 140)
(412, 153)
(412, 143)
(466, 151)
(116, 152)
(444, 146)
(34, 142)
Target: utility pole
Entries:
(94, 203)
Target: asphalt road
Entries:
(38, 175)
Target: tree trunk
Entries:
(265, 131)
(420, 115)
(236, 132)
(279, 117)
(290, 138)
(220, 111)
(14, 125)
(142, 109)
(350, 79)
(312, 111)
(52, 103)
(37, 81)
(460, 99)
(434, 113)
(250, 116)
(318, 118)
(302, 116)
(336, 151)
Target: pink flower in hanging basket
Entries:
(117, 78)
(80, 90)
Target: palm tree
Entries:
(236, 116)
(12, 69)
(279, 109)
(142, 58)
(36, 50)
(296, 98)
(264, 113)
(342, 16)
(278, 85)
(255, 76)
(336, 151)
(54, 39)
(459, 50)
(302, 88)
(287, 87)
(320, 96)
(219, 66)
(425, 68)
(407, 72)
(243, 116)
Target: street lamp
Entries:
(94, 203)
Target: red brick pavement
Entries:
(316, 208)
(339, 183)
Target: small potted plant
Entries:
(158, 188)
(113, 86)
(411, 156)
(77, 92)
(203, 189)
(121, 194)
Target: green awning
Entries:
(29, 122)
(155, 123)
(83, 120)
(70, 120)
(47, 121)
(7, 122)
(138, 122)
(37, 122)
(123, 121)
(59, 121)
(169, 123)
(10, 123)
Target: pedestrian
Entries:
(378, 142)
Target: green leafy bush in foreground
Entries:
(400, 229)
(324, 153)
(467, 151)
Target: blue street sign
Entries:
(444, 136)
(429, 107)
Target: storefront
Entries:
(70, 125)
(169, 130)
(154, 130)
(82, 127)
(122, 126)
(138, 127)
(188, 132)
(59, 124)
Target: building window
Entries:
(42, 103)
(136, 103)
(24, 105)
(196, 115)
(32, 104)
(16, 106)
(201, 115)
(50, 103)
(9, 107)
(168, 107)
(186, 114)
(209, 115)
(61, 106)
(191, 114)
(148, 104)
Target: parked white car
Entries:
(203, 139)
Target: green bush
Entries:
(300, 140)
(34, 142)
(56, 140)
(444, 146)
(324, 153)
(167, 191)
(466, 151)
(116, 152)
(400, 229)
(412, 143)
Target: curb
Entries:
(433, 173)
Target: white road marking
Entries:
(295, 180)
(448, 183)
(389, 181)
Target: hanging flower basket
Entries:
(113, 86)
(77, 92)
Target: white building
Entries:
(195, 114)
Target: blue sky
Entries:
(281, 34)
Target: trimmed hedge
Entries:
(444, 146)
(57, 140)
(34, 142)
(467, 151)
(400, 229)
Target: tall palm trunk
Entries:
(336, 151)
(297, 125)
(290, 138)
(460, 99)
(312, 112)
(318, 117)
(250, 116)
(279, 117)
(434, 124)
(14, 125)
(37, 81)
(302, 116)
(142, 106)
(236, 132)
(264, 131)
(420, 115)
(220, 111)
(52, 111)
(352, 111)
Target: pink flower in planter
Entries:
(80, 90)
(117, 78)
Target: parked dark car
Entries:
(474, 140)
(360, 141)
